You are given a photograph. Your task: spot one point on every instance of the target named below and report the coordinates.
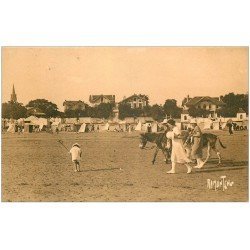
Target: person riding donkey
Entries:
(195, 137)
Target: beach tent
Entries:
(56, 125)
(11, 128)
(104, 127)
(216, 126)
(207, 124)
(245, 124)
(138, 126)
(82, 128)
(42, 123)
(155, 127)
(31, 119)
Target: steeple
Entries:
(13, 97)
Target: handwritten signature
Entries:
(223, 184)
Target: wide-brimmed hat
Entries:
(76, 145)
(171, 122)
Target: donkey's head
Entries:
(143, 141)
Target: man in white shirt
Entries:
(76, 154)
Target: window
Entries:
(241, 117)
(140, 105)
(185, 117)
(134, 105)
(135, 99)
(209, 106)
(204, 106)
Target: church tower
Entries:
(13, 97)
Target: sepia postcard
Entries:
(125, 124)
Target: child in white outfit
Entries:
(76, 154)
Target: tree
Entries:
(103, 110)
(170, 108)
(125, 110)
(13, 110)
(233, 103)
(50, 109)
(157, 112)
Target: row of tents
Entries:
(81, 125)
(88, 124)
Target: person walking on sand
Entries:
(230, 127)
(196, 151)
(76, 154)
(178, 154)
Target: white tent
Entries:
(55, 125)
(104, 127)
(155, 127)
(216, 125)
(82, 128)
(138, 126)
(11, 128)
(207, 124)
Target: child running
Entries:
(76, 154)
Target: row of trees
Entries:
(105, 110)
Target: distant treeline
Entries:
(105, 110)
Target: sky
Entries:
(74, 73)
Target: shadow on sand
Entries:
(225, 165)
(100, 169)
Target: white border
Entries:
(124, 225)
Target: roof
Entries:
(31, 118)
(241, 111)
(85, 120)
(95, 98)
(70, 120)
(144, 97)
(197, 99)
(72, 102)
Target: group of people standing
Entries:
(179, 150)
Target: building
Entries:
(211, 104)
(241, 115)
(13, 96)
(96, 100)
(74, 105)
(136, 101)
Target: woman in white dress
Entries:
(178, 152)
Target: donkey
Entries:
(161, 141)
(209, 141)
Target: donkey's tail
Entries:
(221, 143)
